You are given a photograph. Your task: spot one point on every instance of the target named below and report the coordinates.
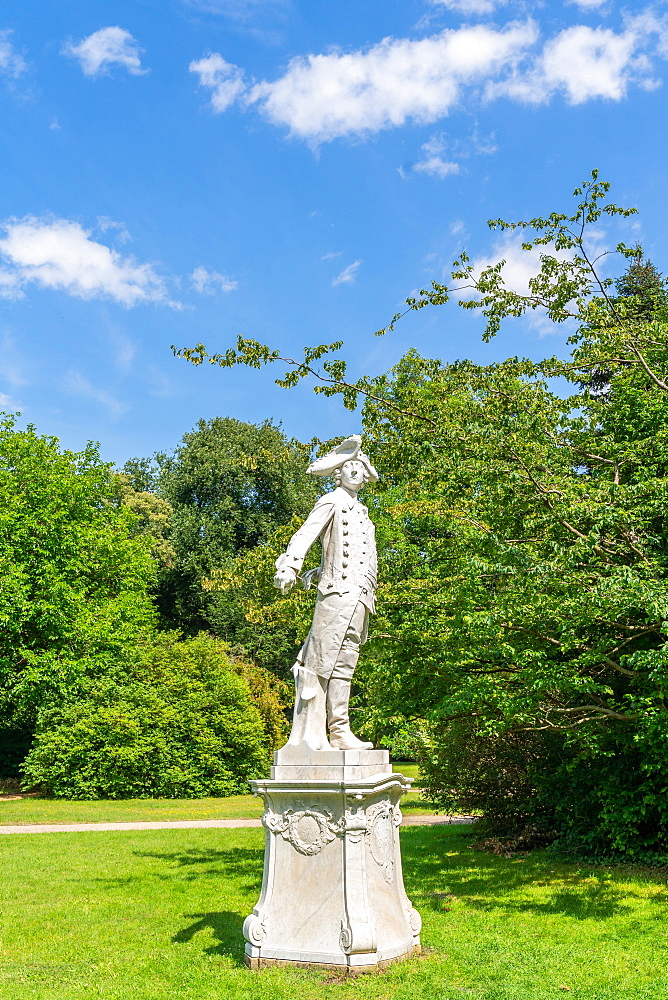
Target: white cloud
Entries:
(80, 386)
(321, 97)
(105, 225)
(107, 47)
(59, 254)
(224, 79)
(432, 161)
(8, 404)
(587, 4)
(331, 255)
(437, 167)
(586, 63)
(10, 285)
(470, 6)
(480, 145)
(324, 96)
(589, 62)
(241, 10)
(347, 275)
(11, 63)
(433, 153)
(206, 281)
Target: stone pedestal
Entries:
(332, 892)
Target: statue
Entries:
(346, 587)
(332, 894)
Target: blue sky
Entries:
(176, 171)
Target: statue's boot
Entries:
(341, 736)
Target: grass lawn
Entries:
(154, 915)
(38, 810)
(20, 812)
(408, 769)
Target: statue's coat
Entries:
(348, 573)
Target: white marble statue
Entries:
(346, 587)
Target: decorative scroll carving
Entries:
(414, 919)
(357, 936)
(308, 830)
(346, 938)
(381, 822)
(254, 929)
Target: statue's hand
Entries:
(284, 580)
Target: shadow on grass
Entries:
(244, 864)
(240, 865)
(440, 867)
(227, 931)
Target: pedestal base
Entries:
(332, 892)
(354, 970)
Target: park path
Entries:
(196, 824)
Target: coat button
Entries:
(343, 576)
(345, 563)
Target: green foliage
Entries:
(499, 775)
(524, 551)
(143, 474)
(269, 695)
(230, 485)
(643, 284)
(181, 721)
(73, 578)
(267, 625)
(99, 702)
(152, 519)
(523, 606)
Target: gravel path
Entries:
(197, 824)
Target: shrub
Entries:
(179, 722)
(498, 775)
(604, 802)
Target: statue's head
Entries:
(347, 463)
(352, 475)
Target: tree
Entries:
(643, 287)
(230, 485)
(526, 591)
(152, 519)
(526, 541)
(73, 582)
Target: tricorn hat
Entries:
(348, 451)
